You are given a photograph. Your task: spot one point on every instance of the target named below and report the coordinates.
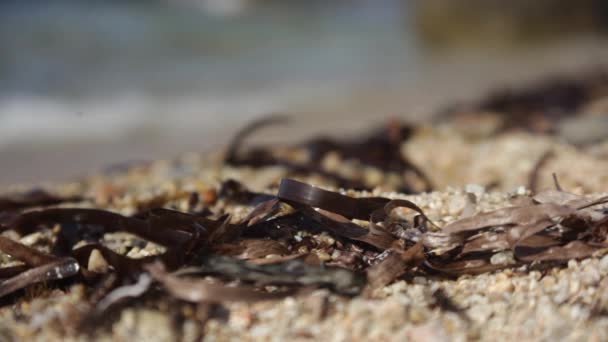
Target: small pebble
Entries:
(97, 263)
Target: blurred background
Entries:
(84, 84)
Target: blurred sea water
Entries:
(87, 83)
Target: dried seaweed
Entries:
(572, 250)
(198, 291)
(39, 267)
(28, 222)
(559, 227)
(255, 157)
(289, 272)
(394, 265)
(123, 293)
(181, 233)
(262, 212)
(555, 196)
(540, 107)
(556, 182)
(298, 193)
(486, 242)
(335, 211)
(59, 269)
(267, 247)
(33, 198)
(185, 236)
(232, 190)
(466, 266)
(28, 255)
(11, 271)
(252, 249)
(519, 215)
(381, 149)
(341, 226)
(535, 174)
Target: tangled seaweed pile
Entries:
(541, 107)
(380, 150)
(264, 248)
